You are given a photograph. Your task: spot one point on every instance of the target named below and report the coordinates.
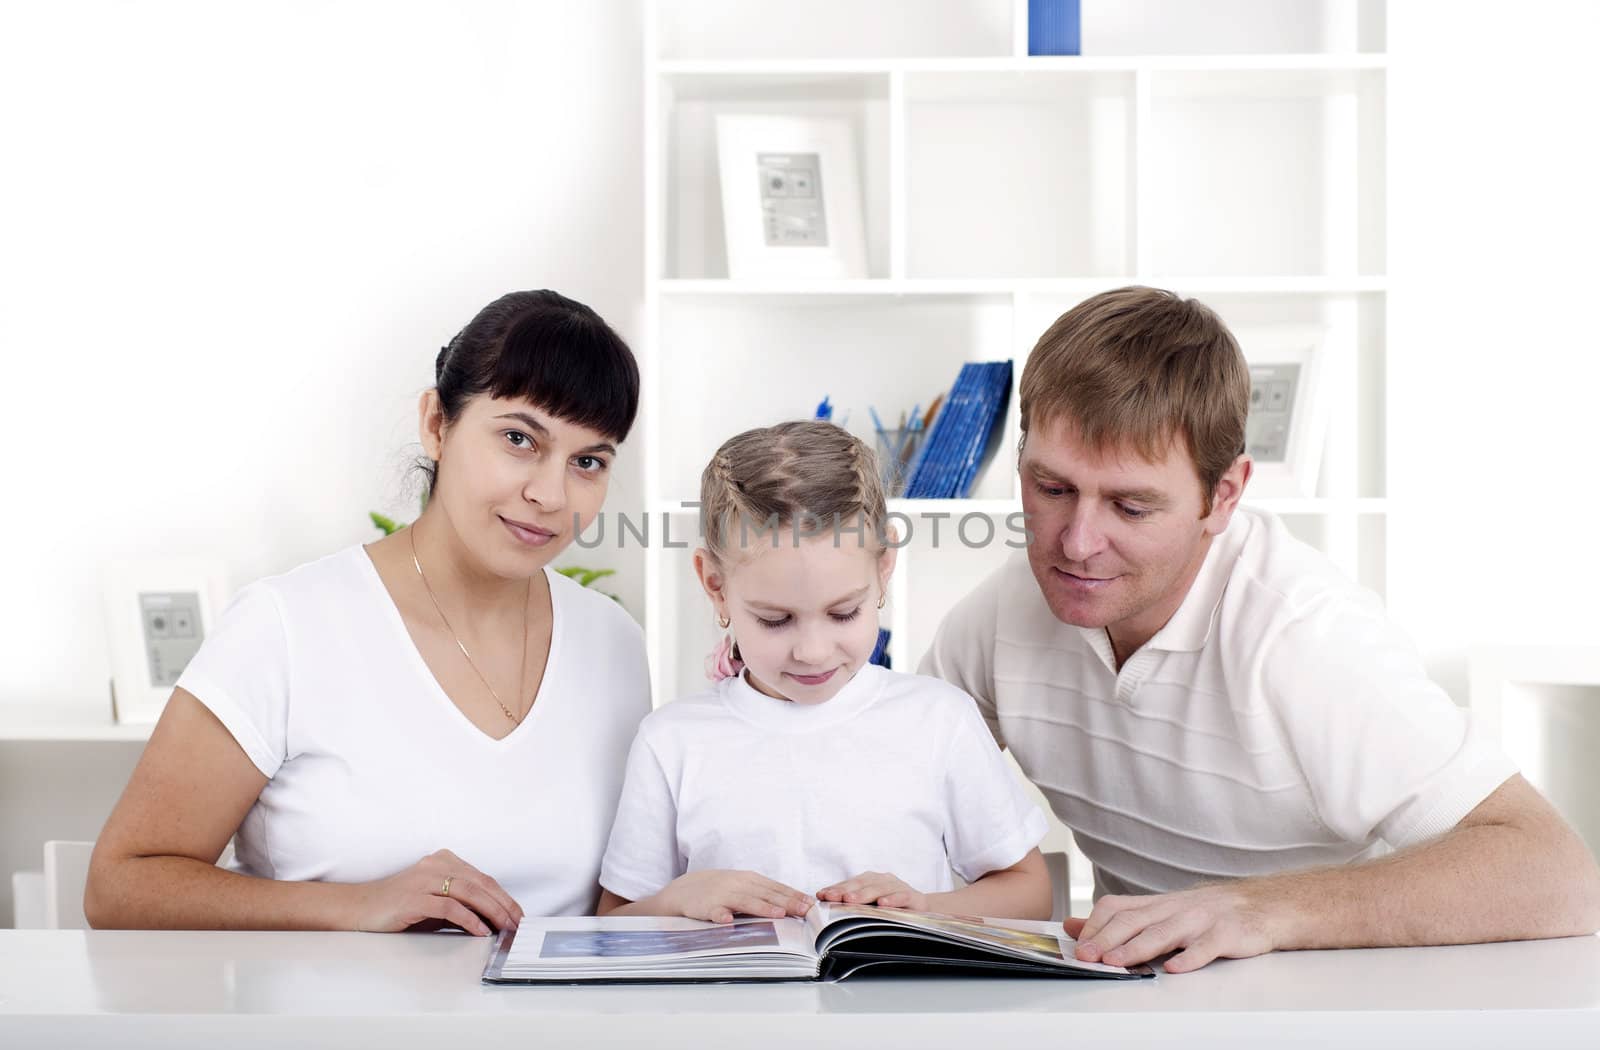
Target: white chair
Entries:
(1060, 886)
(66, 872)
(27, 900)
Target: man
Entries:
(1244, 745)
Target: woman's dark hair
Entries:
(547, 349)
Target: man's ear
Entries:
(430, 423)
(1229, 491)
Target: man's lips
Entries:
(1083, 583)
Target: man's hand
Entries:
(1223, 921)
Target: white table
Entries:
(128, 989)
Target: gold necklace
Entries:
(522, 677)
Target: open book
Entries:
(832, 942)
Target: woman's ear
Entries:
(430, 423)
(710, 575)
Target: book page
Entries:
(1037, 940)
(584, 942)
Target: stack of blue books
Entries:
(947, 464)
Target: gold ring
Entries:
(447, 880)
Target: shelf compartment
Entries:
(765, 29)
(1133, 27)
(1021, 175)
(695, 244)
(889, 354)
(1263, 173)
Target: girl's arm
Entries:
(1021, 891)
(155, 863)
(715, 896)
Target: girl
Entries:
(441, 687)
(809, 772)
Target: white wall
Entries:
(1494, 456)
(231, 243)
(233, 240)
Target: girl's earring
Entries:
(723, 621)
(881, 599)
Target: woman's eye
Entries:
(518, 439)
(774, 624)
(846, 617)
(590, 464)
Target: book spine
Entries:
(996, 397)
(922, 482)
(965, 386)
(972, 446)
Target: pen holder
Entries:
(897, 450)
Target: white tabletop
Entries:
(274, 989)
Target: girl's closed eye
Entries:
(783, 621)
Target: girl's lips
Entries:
(530, 535)
(811, 679)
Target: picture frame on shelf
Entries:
(157, 613)
(1288, 422)
(791, 197)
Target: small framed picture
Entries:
(1288, 421)
(791, 197)
(157, 614)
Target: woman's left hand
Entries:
(875, 887)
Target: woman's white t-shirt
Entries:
(371, 767)
(896, 773)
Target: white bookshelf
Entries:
(1227, 149)
(1231, 150)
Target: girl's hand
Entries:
(718, 895)
(875, 887)
(475, 901)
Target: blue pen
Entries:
(824, 409)
(878, 425)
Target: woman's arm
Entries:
(1021, 891)
(154, 865)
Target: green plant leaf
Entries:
(388, 525)
(592, 575)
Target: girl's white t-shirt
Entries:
(371, 765)
(895, 773)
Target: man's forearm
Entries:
(1481, 881)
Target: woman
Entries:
(428, 729)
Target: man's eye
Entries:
(1050, 490)
(1133, 513)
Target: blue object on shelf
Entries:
(1054, 28)
(880, 652)
(825, 409)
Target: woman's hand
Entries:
(875, 887)
(718, 895)
(469, 899)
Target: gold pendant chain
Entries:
(522, 679)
